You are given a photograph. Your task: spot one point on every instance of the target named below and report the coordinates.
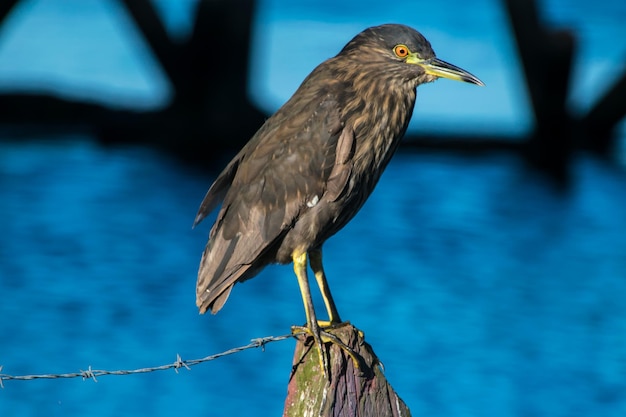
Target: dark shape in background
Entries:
(107, 279)
(210, 112)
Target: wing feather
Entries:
(265, 189)
(217, 191)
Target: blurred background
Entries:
(487, 270)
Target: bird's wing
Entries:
(218, 190)
(292, 160)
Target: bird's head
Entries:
(404, 51)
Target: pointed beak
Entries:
(439, 68)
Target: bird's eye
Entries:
(401, 51)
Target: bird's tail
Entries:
(217, 274)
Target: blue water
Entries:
(483, 289)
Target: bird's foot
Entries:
(321, 333)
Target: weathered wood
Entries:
(350, 391)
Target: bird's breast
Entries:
(379, 129)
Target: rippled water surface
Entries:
(482, 289)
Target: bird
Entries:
(312, 165)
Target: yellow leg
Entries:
(312, 327)
(312, 324)
(315, 257)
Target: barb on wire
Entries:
(176, 365)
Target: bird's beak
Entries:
(439, 68)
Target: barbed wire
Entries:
(176, 365)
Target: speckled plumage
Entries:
(312, 165)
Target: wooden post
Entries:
(350, 392)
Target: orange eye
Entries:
(401, 51)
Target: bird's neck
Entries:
(380, 119)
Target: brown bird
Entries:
(311, 166)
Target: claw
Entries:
(316, 333)
(314, 327)
(323, 337)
